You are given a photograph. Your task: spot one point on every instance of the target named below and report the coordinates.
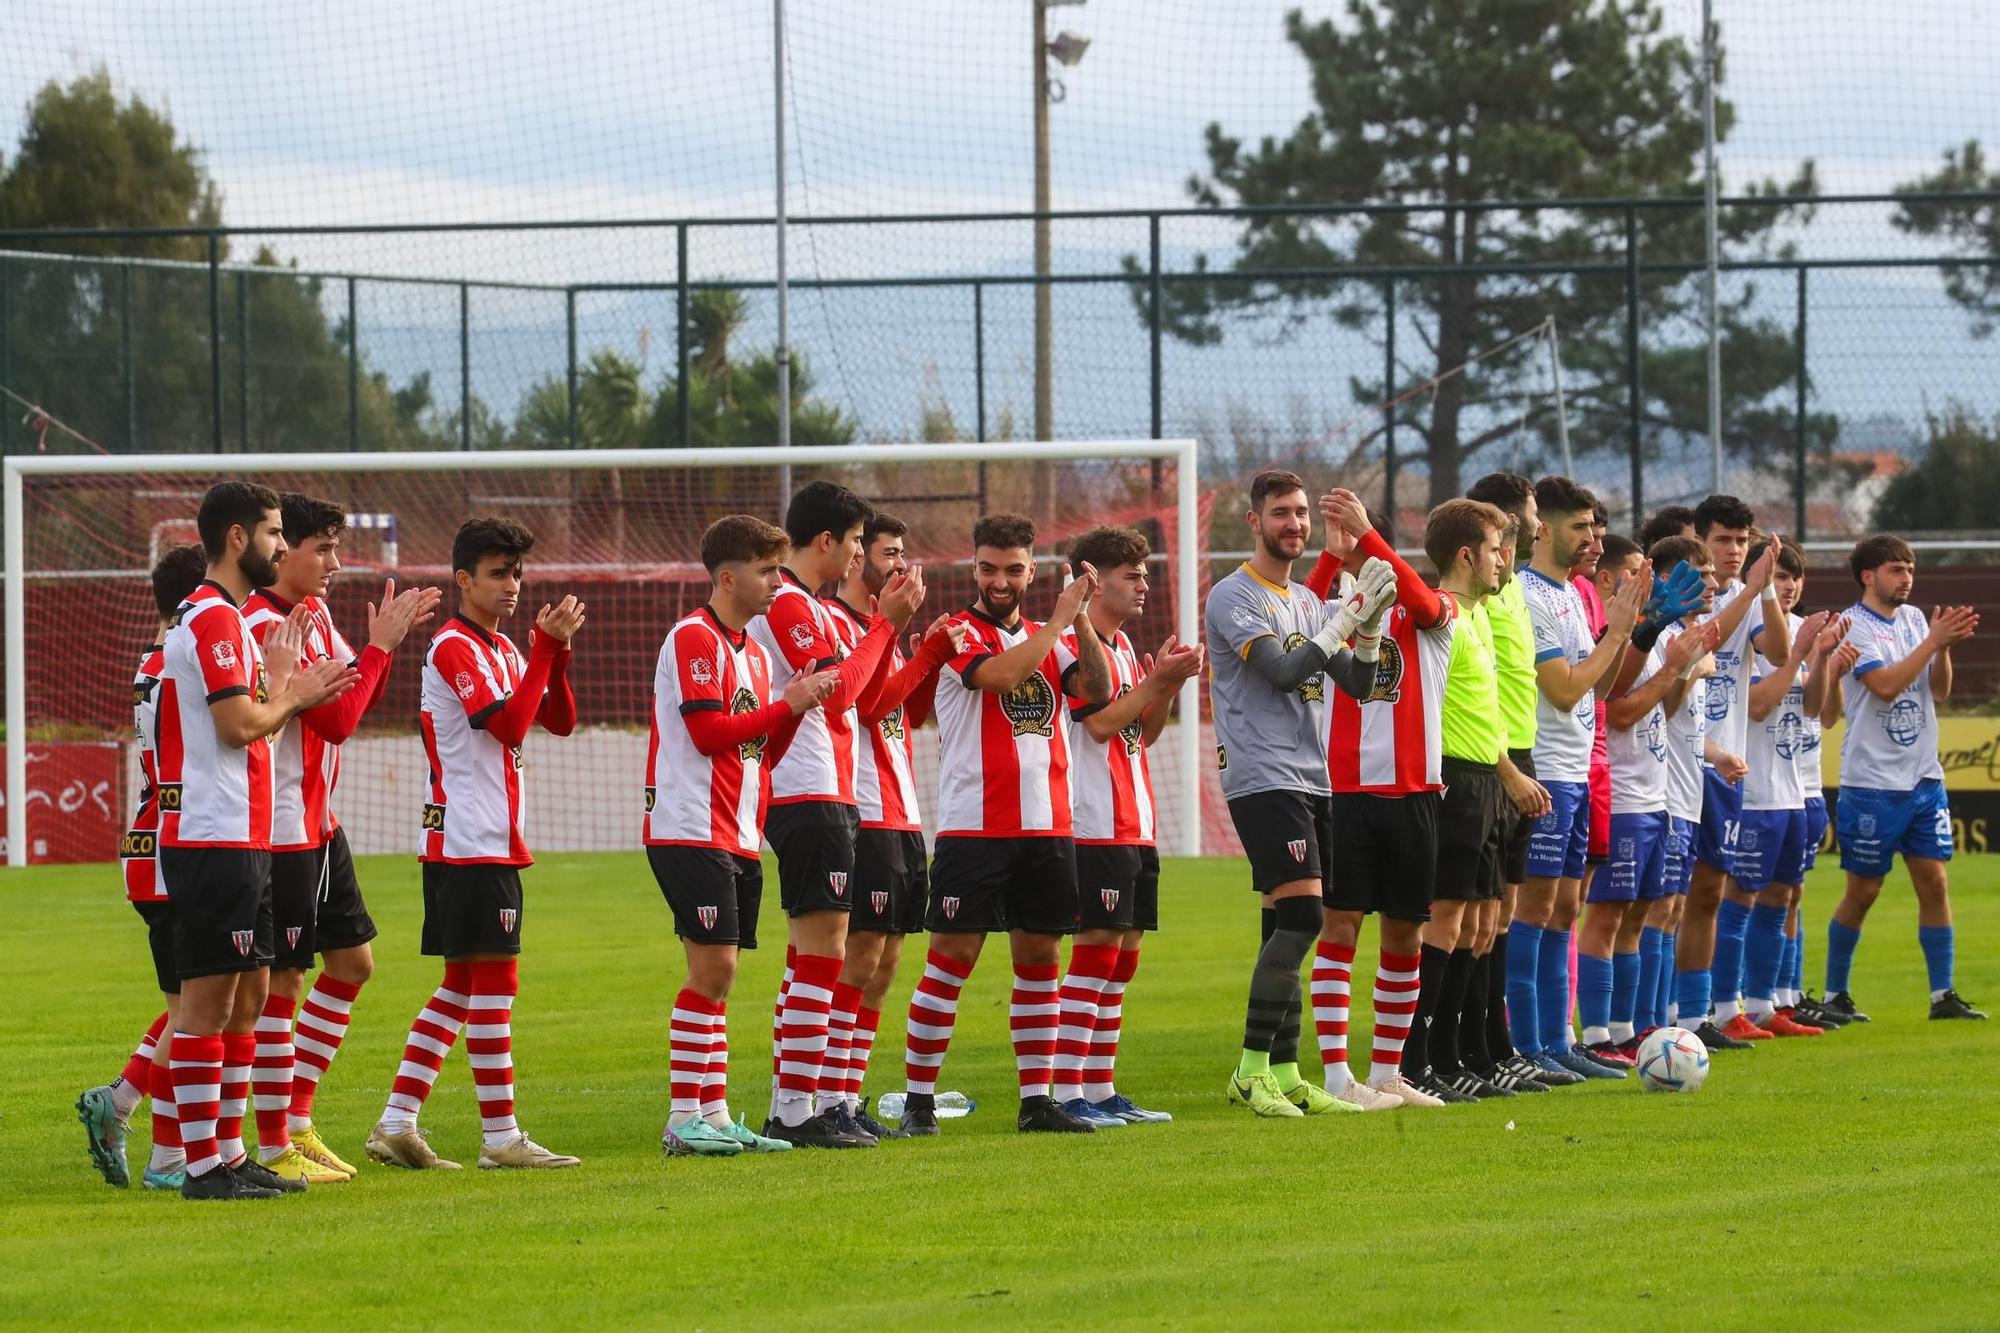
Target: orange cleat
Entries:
(1782, 1024)
(1741, 1028)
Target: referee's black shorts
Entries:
(1472, 829)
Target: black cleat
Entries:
(1443, 1090)
(256, 1173)
(874, 1128)
(224, 1183)
(1842, 1004)
(1469, 1084)
(1715, 1039)
(1515, 1074)
(920, 1115)
(1041, 1115)
(816, 1132)
(1952, 1005)
(1810, 1010)
(843, 1120)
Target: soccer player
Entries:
(1892, 797)
(1272, 647)
(1703, 952)
(719, 722)
(316, 902)
(480, 698)
(1005, 856)
(1808, 1008)
(220, 697)
(1514, 665)
(891, 864)
(1111, 791)
(1664, 522)
(815, 814)
(1568, 667)
(106, 1110)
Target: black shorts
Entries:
(814, 841)
(983, 885)
(1388, 854)
(1473, 823)
(715, 894)
(1288, 835)
(892, 880)
(222, 908)
(1514, 845)
(1117, 887)
(471, 908)
(316, 903)
(159, 919)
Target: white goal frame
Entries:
(1182, 452)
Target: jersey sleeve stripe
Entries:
(227, 692)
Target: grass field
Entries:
(1850, 1181)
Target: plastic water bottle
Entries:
(950, 1105)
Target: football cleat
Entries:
(1440, 1090)
(1610, 1053)
(1552, 1073)
(1841, 1003)
(751, 1140)
(872, 1127)
(1041, 1115)
(1716, 1039)
(1781, 1024)
(104, 1135)
(698, 1138)
(1406, 1092)
(1082, 1110)
(1364, 1098)
(292, 1164)
(1577, 1062)
(223, 1183)
(1740, 1028)
(410, 1149)
(1260, 1093)
(843, 1120)
(1810, 1010)
(309, 1142)
(813, 1132)
(1121, 1106)
(1469, 1084)
(920, 1115)
(171, 1179)
(253, 1172)
(523, 1152)
(1507, 1078)
(1314, 1100)
(1952, 1005)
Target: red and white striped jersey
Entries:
(211, 794)
(1111, 788)
(885, 784)
(306, 766)
(1392, 743)
(693, 799)
(139, 850)
(476, 811)
(1003, 759)
(798, 635)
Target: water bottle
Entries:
(950, 1105)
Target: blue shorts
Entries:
(1636, 871)
(1876, 824)
(1815, 828)
(1721, 813)
(1770, 849)
(1677, 855)
(1559, 842)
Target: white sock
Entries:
(1338, 1078)
(794, 1108)
(1726, 1010)
(1593, 1036)
(396, 1122)
(124, 1097)
(680, 1118)
(167, 1159)
(1760, 1010)
(1673, 1013)
(1937, 995)
(1621, 1033)
(717, 1119)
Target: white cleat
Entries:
(1360, 1095)
(1407, 1092)
(522, 1151)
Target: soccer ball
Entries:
(1672, 1060)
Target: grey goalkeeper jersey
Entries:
(1266, 739)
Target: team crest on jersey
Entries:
(1628, 849)
(752, 750)
(243, 939)
(1746, 840)
(701, 671)
(225, 654)
(706, 914)
(837, 881)
(262, 694)
(1132, 733)
(1109, 897)
(1222, 758)
(462, 682)
(802, 637)
(508, 917)
(651, 794)
(1297, 847)
(1904, 722)
(1246, 618)
(142, 690)
(1388, 685)
(1313, 691)
(950, 906)
(1031, 706)
(1654, 737)
(1790, 730)
(879, 900)
(292, 934)
(891, 726)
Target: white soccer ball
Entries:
(1672, 1060)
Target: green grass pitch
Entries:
(1850, 1181)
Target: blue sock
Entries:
(1669, 969)
(1625, 969)
(1692, 992)
(1798, 981)
(1763, 952)
(1524, 951)
(1732, 920)
(1788, 964)
(1651, 997)
(1593, 991)
(1840, 942)
(1552, 990)
(1937, 946)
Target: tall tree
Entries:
(1440, 106)
(1971, 225)
(1954, 485)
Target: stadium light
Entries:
(1068, 48)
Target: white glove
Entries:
(1374, 593)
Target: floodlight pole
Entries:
(1708, 54)
(784, 296)
(1044, 309)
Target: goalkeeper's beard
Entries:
(257, 569)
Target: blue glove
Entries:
(1680, 592)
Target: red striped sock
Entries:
(196, 1070)
(808, 1006)
(1100, 1064)
(1332, 978)
(489, 1047)
(239, 1051)
(166, 1115)
(933, 1015)
(715, 1082)
(138, 1069)
(778, 1024)
(431, 1038)
(839, 1047)
(1090, 969)
(1397, 986)
(691, 1038)
(1033, 1019)
(322, 1027)
(866, 1022)
(271, 1074)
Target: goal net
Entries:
(621, 529)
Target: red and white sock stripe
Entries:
(778, 1023)
(933, 1015)
(166, 1114)
(138, 1070)
(239, 1051)
(834, 1079)
(1397, 984)
(692, 1035)
(866, 1023)
(196, 1069)
(715, 1082)
(271, 1073)
(803, 1031)
(1082, 990)
(431, 1038)
(322, 1026)
(1033, 1018)
(1332, 980)
(489, 1046)
(1099, 1066)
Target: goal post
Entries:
(622, 525)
